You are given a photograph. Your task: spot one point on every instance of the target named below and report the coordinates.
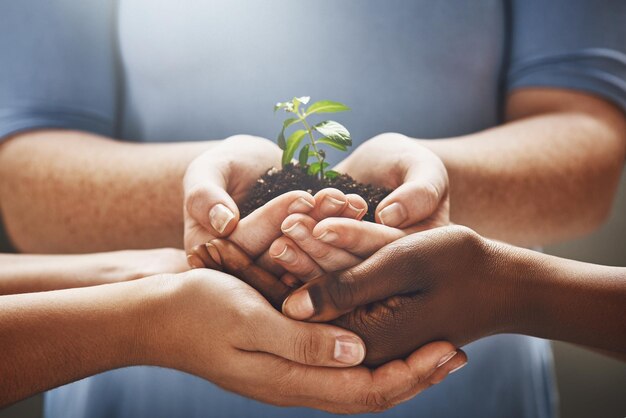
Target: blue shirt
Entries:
(158, 70)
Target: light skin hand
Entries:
(210, 324)
(220, 178)
(269, 357)
(236, 262)
(418, 178)
(261, 228)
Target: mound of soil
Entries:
(292, 177)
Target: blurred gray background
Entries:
(590, 385)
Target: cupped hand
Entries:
(217, 327)
(220, 178)
(387, 333)
(428, 286)
(420, 199)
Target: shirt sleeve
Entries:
(574, 44)
(57, 65)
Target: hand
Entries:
(126, 265)
(217, 327)
(420, 199)
(218, 179)
(257, 231)
(429, 286)
(385, 339)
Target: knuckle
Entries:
(376, 400)
(197, 198)
(307, 347)
(341, 290)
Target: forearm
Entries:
(25, 273)
(53, 338)
(543, 177)
(63, 191)
(565, 300)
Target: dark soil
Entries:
(276, 182)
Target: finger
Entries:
(287, 254)
(424, 188)
(199, 257)
(328, 203)
(298, 227)
(208, 203)
(447, 364)
(346, 390)
(291, 280)
(360, 238)
(385, 274)
(305, 343)
(256, 231)
(235, 261)
(356, 207)
(428, 365)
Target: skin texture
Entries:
(450, 283)
(22, 273)
(220, 178)
(548, 174)
(53, 338)
(57, 201)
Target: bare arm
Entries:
(63, 191)
(548, 174)
(21, 273)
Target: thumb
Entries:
(305, 343)
(387, 273)
(423, 191)
(211, 206)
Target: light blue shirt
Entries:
(159, 70)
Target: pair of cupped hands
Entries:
(391, 294)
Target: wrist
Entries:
(152, 318)
(505, 270)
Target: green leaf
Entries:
(331, 174)
(282, 144)
(326, 106)
(303, 158)
(316, 167)
(281, 136)
(293, 142)
(334, 131)
(333, 143)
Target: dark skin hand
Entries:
(369, 322)
(451, 284)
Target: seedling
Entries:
(331, 133)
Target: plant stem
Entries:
(313, 144)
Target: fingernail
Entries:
(330, 204)
(300, 205)
(328, 236)
(220, 216)
(445, 359)
(457, 368)
(348, 350)
(356, 212)
(393, 215)
(214, 253)
(287, 255)
(298, 306)
(297, 231)
(195, 262)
